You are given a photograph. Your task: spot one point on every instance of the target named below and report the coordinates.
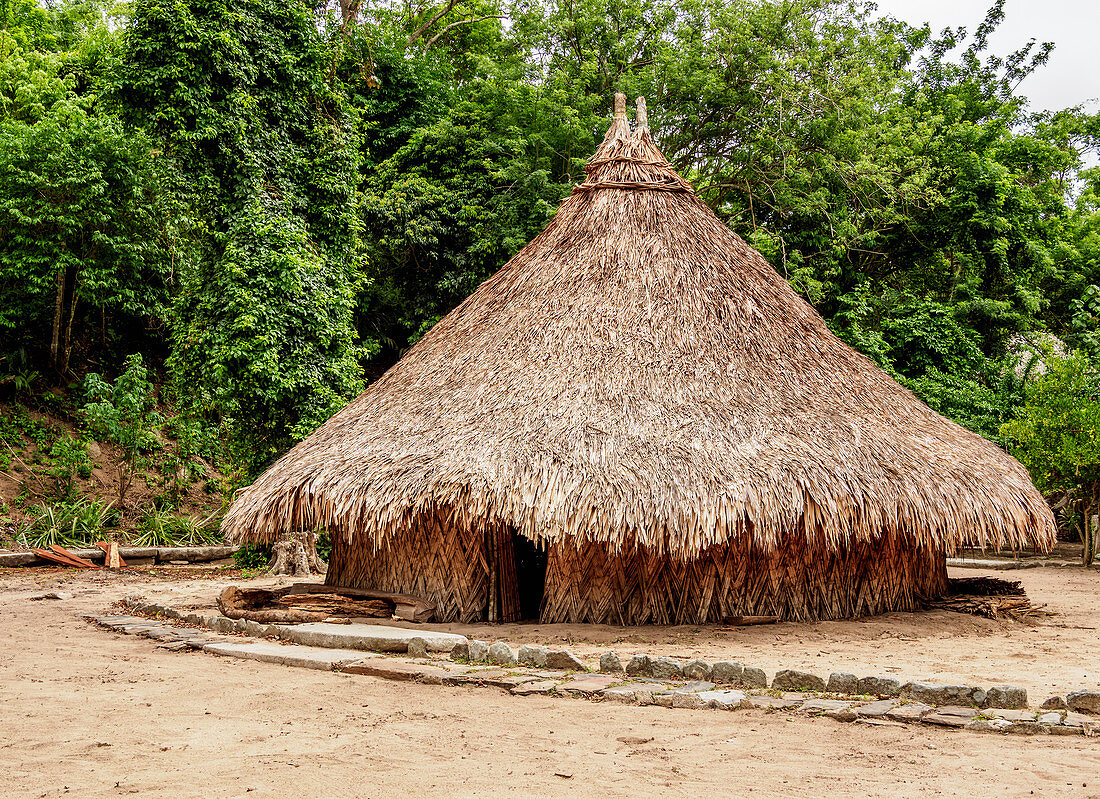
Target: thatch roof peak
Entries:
(639, 374)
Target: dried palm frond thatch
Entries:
(639, 379)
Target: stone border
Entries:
(619, 687)
(134, 556)
(1003, 697)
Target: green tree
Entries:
(263, 339)
(124, 413)
(87, 233)
(1057, 436)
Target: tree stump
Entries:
(296, 554)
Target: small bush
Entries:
(252, 556)
(162, 528)
(69, 458)
(79, 522)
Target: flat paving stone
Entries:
(772, 703)
(824, 705)
(910, 712)
(371, 637)
(392, 669)
(688, 699)
(722, 700)
(694, 687)
(942, 719)
(497, 678)
(119, 621)
(879, 722)
(305, 657)
(590, 683)
(538, 687)
(1012, 715)
(874, 710)
(624, 694)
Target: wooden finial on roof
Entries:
(643, 117)
(620, 105)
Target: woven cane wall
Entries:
(796, 582)
(433, 560)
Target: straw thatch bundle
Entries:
(639, 392)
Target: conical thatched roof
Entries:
(638, 371)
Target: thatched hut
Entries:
(636, 420)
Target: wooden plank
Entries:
(76, 559)
(46, 554)
(113, 559)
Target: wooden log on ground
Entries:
(409, 608)
(284, 606)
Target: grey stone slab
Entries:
(590, 683)
(879, 722)
(663, 700)
(878, 686)
(1074, 719)
(1055, 703)
(945, 720)
(752, 677)
(610, 663)
(139, 629)
(370, 637)
(417, 648)
(461, 651)
(722, 700)
(841, 682)
(793, 680)
(1010, 697)
(689, 700)
(693, 687)
(500, 654)
(1050, 718)
(306, 657)
(537, 687)
(823, 706)
(666, 668)
(982, 724)
(772, 703)
(564, 660)
(725, 671)
(1061, 729)
(639, 666)
(1084, 702)
(1012, 715)
(912, 711)
(119, 621)
(877, 709)
(1027, 728)
(697, 670)
(388, 668)
(533, 656)
(940, 694)
(962, 711)
(623, 694)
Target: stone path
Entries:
(559, 673)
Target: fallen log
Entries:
(282, 606)
(407, 607)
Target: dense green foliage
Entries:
(271, 199)
(1057, 436)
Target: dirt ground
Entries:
(92, 713)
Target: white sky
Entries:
(1070, 77)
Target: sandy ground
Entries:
(1060, 654)
(91, 713)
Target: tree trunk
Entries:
(58, 315)
(1088, 530)
(296, 554)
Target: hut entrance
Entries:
(530, 576)
(516, 578)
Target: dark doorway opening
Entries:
(530, 576)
